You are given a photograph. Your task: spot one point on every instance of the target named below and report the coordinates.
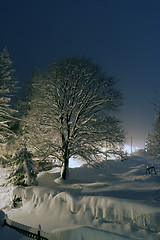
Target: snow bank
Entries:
(118, 201)
(84, 232)
(87, 209)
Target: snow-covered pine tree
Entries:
(6, 72)
(153, 141)
(24, 170)
(7, 90)
(38, 139)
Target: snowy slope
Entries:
(118, 201)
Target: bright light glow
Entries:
(77, 163)
(127, 149)
(104, 149)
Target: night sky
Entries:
(122, 36)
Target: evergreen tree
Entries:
(153, 141)
(7, 79)
(29, 114)
(7, 90)
(24, 171)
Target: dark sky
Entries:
(122, 36)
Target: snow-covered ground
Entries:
(118, 201)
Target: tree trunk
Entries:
(28, 178)
(65, 169)
(65, 143)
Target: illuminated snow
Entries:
(117, 201)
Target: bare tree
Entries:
(74, 106)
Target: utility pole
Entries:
(131, 143)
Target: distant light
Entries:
(127, 149)
(104, 149)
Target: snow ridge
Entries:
(99, 208)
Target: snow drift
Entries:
(116, 202)
(83, 232)
(96, 208)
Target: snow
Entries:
(115, 201)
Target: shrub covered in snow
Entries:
(24, 171)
